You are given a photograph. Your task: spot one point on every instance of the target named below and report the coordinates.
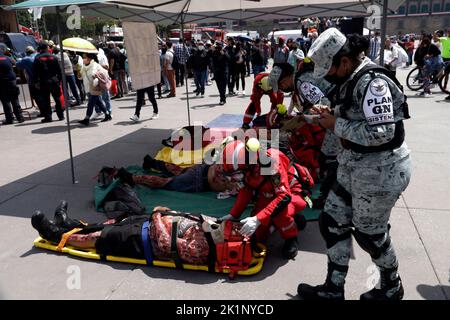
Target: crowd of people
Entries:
(344, 127)
(427, 51)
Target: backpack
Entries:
(175, 62)
(104, 81)
(122, 60)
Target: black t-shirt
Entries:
(114, 54)
(421, 52)
(257, 57)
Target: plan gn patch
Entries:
(378, 105)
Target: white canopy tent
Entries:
(166, 12)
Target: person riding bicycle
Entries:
(428, 58)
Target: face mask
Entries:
(201, 48)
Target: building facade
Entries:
(415, 16)
(8, 22)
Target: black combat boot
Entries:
(326, 291)
(125, 177)
(290, 248)
(149, 163)
(62, 219)
(391, 287)
(47, 228)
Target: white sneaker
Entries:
(97, 115)
(243, 92)
(155, 116)
(134, 118)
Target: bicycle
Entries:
(414, 79)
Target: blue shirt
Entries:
(27, 65)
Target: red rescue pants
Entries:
(283, 221)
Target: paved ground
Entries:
(35, 174)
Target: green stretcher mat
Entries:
(200, 202)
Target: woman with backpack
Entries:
(95, 80)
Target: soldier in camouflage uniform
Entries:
(374, 166)
(331, 144)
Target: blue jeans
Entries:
(107, 100)
(92, 102)
(200, 80)
(194, 179)
(431, 66)
(73, 87)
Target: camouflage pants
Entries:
(374, 192)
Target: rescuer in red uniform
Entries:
(260, 88)
(279, 187)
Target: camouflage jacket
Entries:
(367, 121)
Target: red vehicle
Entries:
(199, 34)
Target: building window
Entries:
(447, 6)
(413, 9)
(424, 8)
(401, 10)
(436, 7)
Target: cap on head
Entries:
(29, 50)
(324, 49)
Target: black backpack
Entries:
(175, 62)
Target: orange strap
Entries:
(65, 237)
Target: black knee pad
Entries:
(368, 243)
(325, 222)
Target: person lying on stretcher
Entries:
(125, 237)
(198, 178)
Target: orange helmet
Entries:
(237, 155)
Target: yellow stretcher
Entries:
(254, 268)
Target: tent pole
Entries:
(64, 88)
(185, 71)
(383, 31)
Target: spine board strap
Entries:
(65, 237)
(148, 252)
(173, 246)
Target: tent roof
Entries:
(201, 11)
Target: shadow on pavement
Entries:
(59, 129)
(438, 292)
(206, 106)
